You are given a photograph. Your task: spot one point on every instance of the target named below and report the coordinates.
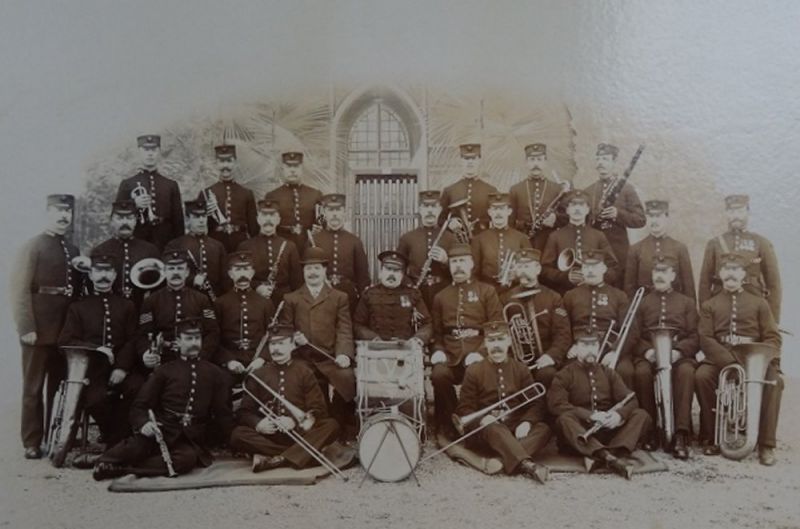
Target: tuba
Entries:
(213, 208)
(146, 215)
(526, 342)
(148, 273)
(662, 343)
(739, 394)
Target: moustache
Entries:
(193, 349)
(459, 271)
(176, 276)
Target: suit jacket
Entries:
(325, 321)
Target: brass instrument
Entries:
(584, 437)
(146, 215)
(662, 344)
(305, 422)
(505, 275)
(568, 259)
(526, 342)
(739, 396)
(81, 263)
(464, 233)
(426, 266)
(611, 193)
(619, 336)
(148, 273)
(213, 205)
(162, 446)
(537, 220)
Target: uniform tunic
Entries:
(243, 317)
(348, 268)
(489, 249)
(210, 256)
(529, 201)
(415, 245)
(387, 313)
(127, 252)
(642, 257)
(477, 192)
(166, 205)
(268, 259)
(580, 239)
(238, 205)
(296, 205)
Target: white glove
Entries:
(149, 429)
(522, 430)
(28, 338)
(607, 359)
(266, 427)
(544, 361)
(234, 366)
(300, 339)
(676, 355)
(572, 353)
(343, 361)
(199, 279)
(151, 360)
(438, 357)
(256, 364)
(264, 291)
(650, 356)
(472, 358)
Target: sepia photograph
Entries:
(355, 264)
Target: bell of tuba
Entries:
(148, 273)
(567, 260)
(64, 415)
(739, 394)
(662, 344)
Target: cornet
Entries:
(568, 259)
(146, 215)
(213, 208)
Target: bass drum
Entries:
(388, 447)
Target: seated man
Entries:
(178, 401)
(265, 437)
(586, 394)
(516, 437)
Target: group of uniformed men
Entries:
(273, 289)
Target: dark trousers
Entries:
(39, 362)
(501, 439)
(140, 455)
(444, 379)
(247, 439)
(569, 426)
(341, 409)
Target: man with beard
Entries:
(266, 437)
(126, 249)
(349, 268)
(644, 254)
(157, 198)
(105, 322)
(233, 200)
(626, 211)
(320, 316)
(392, 310)
(297, 202)
(495, 249)
(586, 394)
(459, 312)
(515, 437)
(763, 277)
(174, 407)
(276, 260)
(469, 188)
(737, 316)
(664, 307)
(244, 318)
(578, 237)
(170, 304)
(420, 247)
(544, 307)
(206, 255)
(43, 286)
(531, 199)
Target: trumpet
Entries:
(464, 233)
(212, 206)
(526, 342)
(584, 437)
(146, 215)
(662, 343)
(618, 337)
(304, 420)
(505, 275)
(148, 273)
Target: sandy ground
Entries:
(704, 492)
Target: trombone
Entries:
(526, 342)
(304, 420)
(504, 276)
(618, 337)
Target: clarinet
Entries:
(613, 191)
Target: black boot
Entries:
(680, 450)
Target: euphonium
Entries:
(526, 342)
(739, 396)
(213, 206)
(146, 215)
(662, 344)
(148, 273)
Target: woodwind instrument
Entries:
(426, 266)
(162, 445)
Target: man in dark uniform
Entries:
(206, 255)
(518, 436)
(324, 333)
(157, 198)
(583, 394)
(763, 277)
(392, 309)
(535, 200)
(170, 304)
(578, 237)
(105, 322)
(419, 248)
(44, 284)
(664, 307)
(297, 202)
(276, 260)
(545, 307)
(495, 249)
(294, 381)
(126, 249)
(737, 316)
(626, 211)
(179, 399)
(348, 270)
(644, 254)
(469, 188)
(459, 312)
(244, 318)
(232, 200)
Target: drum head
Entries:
(388, 448)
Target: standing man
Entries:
(518, 436)
(459, 312)
(234, 201)
(275, 259)
(643, 255)
(297, 202)
(737, 316)
(44, 285)
(206, 255)
(495, 249)
(535, 200)
(469, 188)
(418, 247)
(763, 277)
(126, 249)
(349, 267)
(625, 212)
(157, 198)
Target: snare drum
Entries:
(388, 447)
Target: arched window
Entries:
(378, 138)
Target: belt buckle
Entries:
(431, 280)
(334, 279)
(297, 229)
(228, 228)
(186, 419)
(68, 291)
(244, 344)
